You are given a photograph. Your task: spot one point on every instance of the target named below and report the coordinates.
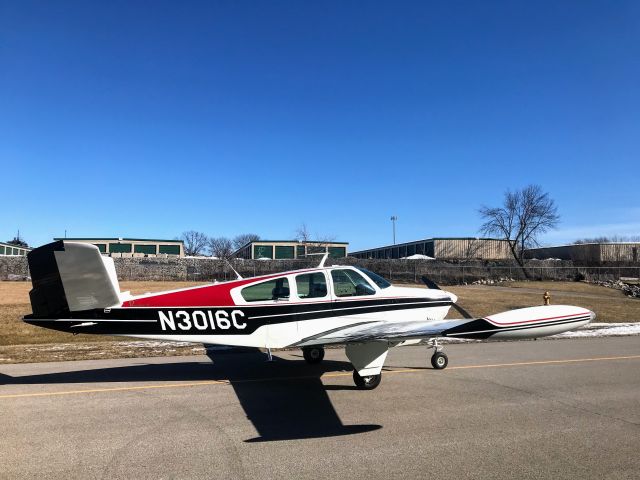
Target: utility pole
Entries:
(393, 220)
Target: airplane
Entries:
(76, 290)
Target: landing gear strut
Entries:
(368, 382)
(439, 359)
(313, 354)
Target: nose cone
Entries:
(453, 297)
(592, 316)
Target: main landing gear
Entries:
(368, 382)
(439, 359)
(313, 354)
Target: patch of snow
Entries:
(418, 256)
(153, 344)
(602, 330)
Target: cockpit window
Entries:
(380, 281)
(348, 283)
(311, 285)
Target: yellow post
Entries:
(547, 298)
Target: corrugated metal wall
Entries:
(589, 252)
(443, 248)
(620, 252)
(468, 248)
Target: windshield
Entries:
(381, 282)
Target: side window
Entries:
(311, 285)
(347, 283)
(270, 290)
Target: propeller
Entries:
(434, 286)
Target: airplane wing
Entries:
(529, 322)
(397, 331)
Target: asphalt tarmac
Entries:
(543, 409)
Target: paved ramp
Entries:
(545, 409)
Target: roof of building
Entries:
(5, 244)
(585, 243)
(296, 241)
(428, 240)
(311, 242)
(119, 239)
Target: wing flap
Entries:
(371, 331)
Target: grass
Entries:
(608, 304)
(577, 287)
(14, 303)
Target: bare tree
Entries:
(244, 238)
(302, 233)
(220, 247)
(194, 242)
(472, 249)
(18, 241)
(313, 243)
(523, 216)
(611, 239)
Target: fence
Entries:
(208, 270)
(463, 274)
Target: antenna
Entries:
(393, 220)
(325, 255)
(238, 276)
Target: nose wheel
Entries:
(439, 359)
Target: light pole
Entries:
(393, 220)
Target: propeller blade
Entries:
(462, 311)
(434, 286)
(430, 283)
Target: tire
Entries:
(366, 383)
(439, 361)
(313, 354)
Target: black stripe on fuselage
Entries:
(217, 321)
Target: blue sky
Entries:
(149, 118)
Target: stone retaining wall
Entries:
(446, 273)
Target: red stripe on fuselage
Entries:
(586, 312)
(216, 294)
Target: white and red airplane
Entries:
(75, 289)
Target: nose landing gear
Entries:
(439, 359)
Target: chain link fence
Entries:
(446, 273)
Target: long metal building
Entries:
(589, 252)
(443, 249)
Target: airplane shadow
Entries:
(284, 399)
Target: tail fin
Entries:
(69, 277)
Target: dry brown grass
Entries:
(608, 304)
(138, 288)
(578, 287)
(14, 303)
(56, 352)
(13, 293)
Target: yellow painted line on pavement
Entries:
(116, 389)
(328, 375)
